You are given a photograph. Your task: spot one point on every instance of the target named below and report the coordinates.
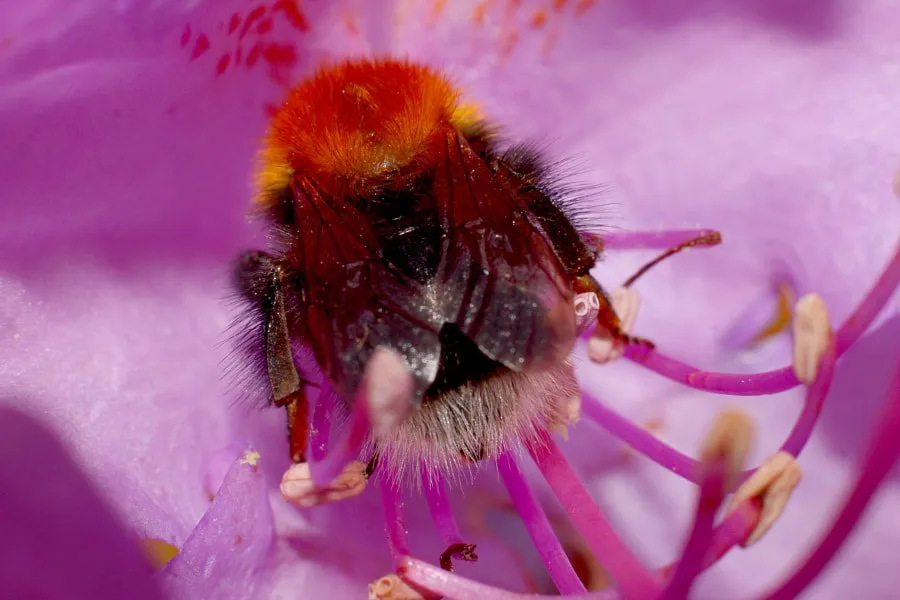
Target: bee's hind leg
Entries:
(261, 280)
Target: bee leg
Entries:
(261, 279)
(711, 238)
(371, 465)
(607, 319)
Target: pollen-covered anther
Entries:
(298, 487)
(391, 587)
(773, 484)
(812, 333)
(601, 347)
(570, 415)
(729, 439)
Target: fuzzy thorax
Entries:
(352, 124)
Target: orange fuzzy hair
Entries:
(356, 122)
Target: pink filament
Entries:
(348, 446)
(650, 240)
(736, 528)
(450, 585)
(439, 505)
(321, 424)
(545, 540)
(685, 466)
(396, 525)
(635, 580)
(700, 539)
(779, 380)
(881, 455)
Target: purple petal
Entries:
(58, 538)
(229, 554)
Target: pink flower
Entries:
(129, 131)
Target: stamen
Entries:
(772, 483)
(726, 535)
(781, 318)
(548, 545)
(648, 240)
(382, 402)
(765, 317)
(729, 440)
(779, 380)
(601, 347)
(321, 423)
(297, 485)
(158, 552)
(442, 514)
(700, 539)
(635, 580)
(396, 524)
(391, 587)
(571, 414)
(812, 333)
(879, 459)
(732, 531)
(685, 466)
(450, 585)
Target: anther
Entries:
(812, 332)
(391, 587)
(298, 487)
(570, 415)
(729, 439)
(772, 484)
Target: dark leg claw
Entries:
(464, 552)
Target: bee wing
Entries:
(500, 280)
(350, 304)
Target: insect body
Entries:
(396, 222)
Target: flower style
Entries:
(129, 133)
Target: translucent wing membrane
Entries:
(349, 302)
(453, 247)
(500, 280)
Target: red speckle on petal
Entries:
(538, 19)
(437, 8)
(281, 58)
(255, 15)
(582, 6)
(559, 5)
(223, 63)
(186, 35)
(234, 23)
(265, 26)
(292, 13)
(480, 11)
(280, 55)
(253, 55)
(200, 46)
